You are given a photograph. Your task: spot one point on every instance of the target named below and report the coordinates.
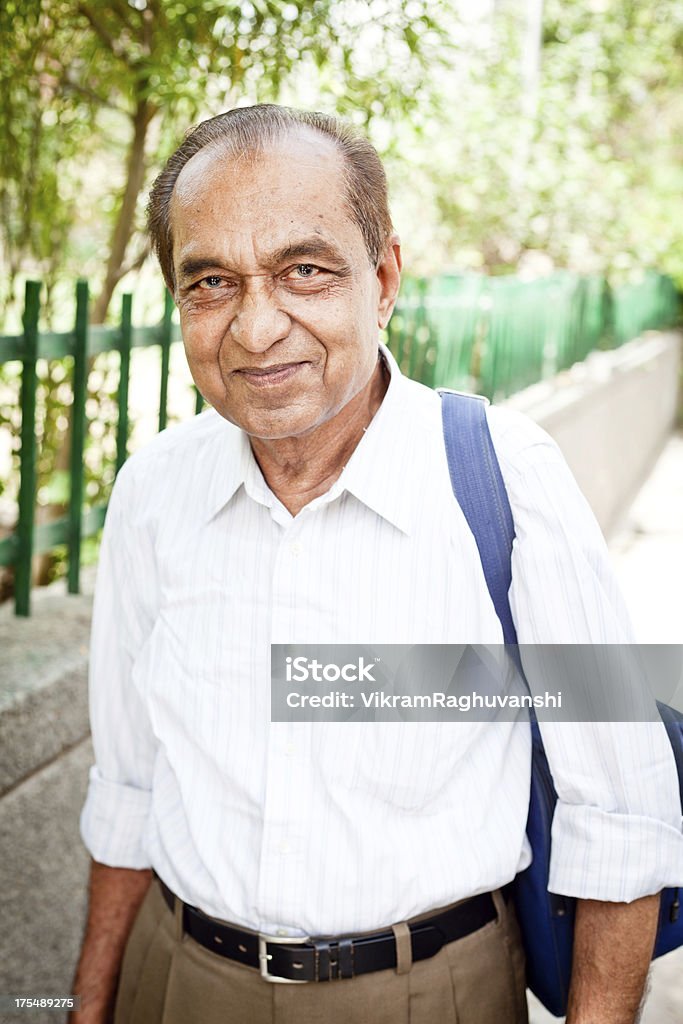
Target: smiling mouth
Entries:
(270, 374)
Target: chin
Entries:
(275, 427)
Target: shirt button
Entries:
(285, 847)
(295, 549)
(282, 931)
(289, 749)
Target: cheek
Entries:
(343, 319)
(202, 335)
(352, 331)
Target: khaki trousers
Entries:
(168, 978)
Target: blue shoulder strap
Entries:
(546, 923)
(478, 485)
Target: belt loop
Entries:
(404, 948)
(179, 906)
(499, 903)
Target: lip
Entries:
(270, 375)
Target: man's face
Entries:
(279, 305)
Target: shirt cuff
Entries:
(599, 855)
(113, 822)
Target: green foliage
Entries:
(93, 97)
(581, 168)
(40, 131)
(487, 166)
(493, 165)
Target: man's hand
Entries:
(115, 897)
(613, 945)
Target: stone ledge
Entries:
(611, 416)
(43, 692)
(43, 878)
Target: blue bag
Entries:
(546, 920)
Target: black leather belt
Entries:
(324, 959)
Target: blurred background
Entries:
(534, 155)
(534, 150)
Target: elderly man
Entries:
(312, 504)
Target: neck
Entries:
(299, 469)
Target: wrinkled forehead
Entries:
(301, 158)
(245, 206)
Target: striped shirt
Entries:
(327, 828)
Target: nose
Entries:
(259, 322)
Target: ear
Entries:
(389, 278)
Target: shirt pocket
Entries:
(192, 680)
(411, 766)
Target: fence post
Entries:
(166, 328)
(27, 484)
(124, 375)
(77, 475)
(417, 341)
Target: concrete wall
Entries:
(610, 416)
(45, 753)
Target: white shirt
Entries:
(331, 828)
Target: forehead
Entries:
(295, 186)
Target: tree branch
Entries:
(90, 94)
(147, 30)
(123, 227)
(135, 263)
(122, 10)
(112, 44)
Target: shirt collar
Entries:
(232, 465)
(375, 474)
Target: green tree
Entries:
(94, 89)
(94, 97)
(587, 176)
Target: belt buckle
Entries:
(264, 956)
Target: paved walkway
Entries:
(648, 557)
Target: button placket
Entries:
(284, 817)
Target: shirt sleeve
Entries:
(116, 810)
(617, 830)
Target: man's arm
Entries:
(617, 825)
(117, 807)
(613, 945)
(115, 897)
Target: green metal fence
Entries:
(638, 306)
(497, 335)
(493, 336)
(82, 343)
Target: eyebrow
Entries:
(191, 267)
(313, 248)
(305, 248)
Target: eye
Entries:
(305, 276)
(208, 283)
(303, 272)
